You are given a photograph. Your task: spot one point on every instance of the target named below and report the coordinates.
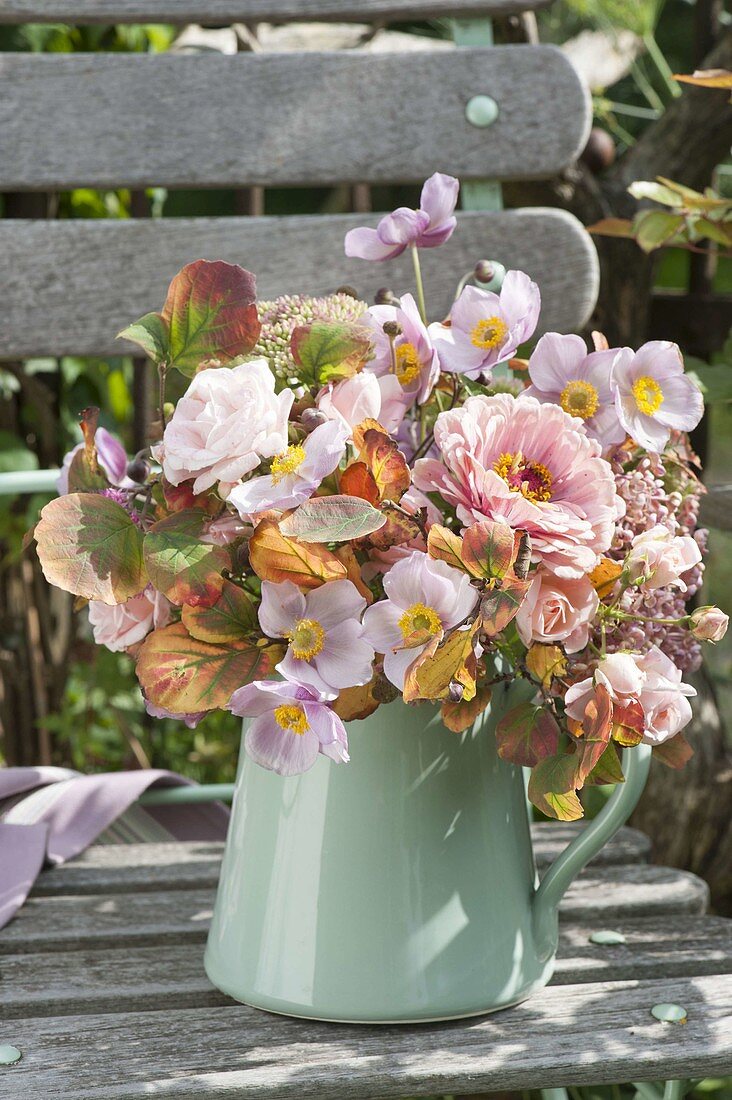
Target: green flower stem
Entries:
(646, 87)
(419, 284)
(656, 55)
(162, 372)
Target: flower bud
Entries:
(392, 329)
(386, 297)
(455, 691)
(312, 419)
(708, 624)
(349, 291)
(489, 273)
(138, 469)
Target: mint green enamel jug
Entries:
(400, 887)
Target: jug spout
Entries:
(566, 867)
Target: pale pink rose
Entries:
(658, 559)
(558, 610)
(227, 421)
(653, 396)
(529, 465)
(650, 679)
(709, 624)
(364, 397)
(119, 626)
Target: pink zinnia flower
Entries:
(484, 328)
(417, 366)
(292, 724)
(427, 227)
(423, 595)
(327, 649)
(363, 397)
(653, 395)
(295, 474)
(658, 559)
(112, 458)
(119, 626)
(563, 373)
(650, 679)
(558, 610)
(531, 466)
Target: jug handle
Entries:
(567, 865)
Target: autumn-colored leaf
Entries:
(604, 576)
(598, 717)
(358, 481)
(445, 545)
(275, 557)
(230, 619)
(452, 661)
(552, 790)
(386, 463)
(488, 549)
(629, 724)
(612, 227)
(180, 565)
(607, 770)
(327, 351)
(89, 545)
(545, 662)
(85, 474)
(332, 519)
(674, 753)
(185, 675)
(355, 703)
(707, 78)
(500, 604)
(527, 734)
(398, 529)
(461, 714)
(347, 557)
(210, 313)
(369, 424)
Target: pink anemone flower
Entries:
(291, 725)
(366, 396)
(653, 395)
(423, 596)
(295, 474)
(564, 374)
(529, 465)
(484, 328)
(327, 649)
(416, 365)
(427, 227)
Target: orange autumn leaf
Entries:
(604, 575)
(459, 715)
(358, 481)
(386, 462)
(275, 557)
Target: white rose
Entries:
(124, 624)
(227, 421)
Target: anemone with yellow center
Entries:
(532, 479)
(291, 718)
(648, 394)
(420, 621)
(580, 398)
(287, 462)
(306, 639)
(489, 333)
(407, 364)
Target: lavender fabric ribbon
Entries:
(50, 815)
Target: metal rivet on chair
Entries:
(606, 937)
(9, 1054)
(669, 1014)
(481, 110)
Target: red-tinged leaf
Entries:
(151, 334)
(355, 703)
(85, 473)
(607, 770)
(544, 662)
(488, 549)
(612, 227)
(500, 604)
(399, 529)
(598, 717)
(332, 519)
(210, 313)
(232, 618)
(90, 546)
(445, 545)
(674, 753)
(386, 463)
(327, 351)
(451, 661)
(552, 790)
(629, 724)
(275, 557)
(186, 675)
(527, 734)
(461, 715)
(358, 481)
(180, 565)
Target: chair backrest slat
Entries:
(70, 286)
(298, 118)
(251, 11)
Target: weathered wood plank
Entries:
(142, 978)
(568, 1035)
(69, 287)
(70, 922)
(251, 11)
(211, 120)
(117, 868)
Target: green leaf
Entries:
(186, 675)
(211, 314)
(90, 545)
(15, 455)
(327, 351)
(180, 565)
(655, 227)
(607, 770)
(149, 333)
(332, 519)
(714, 380)
(552, 790)
(83, 478)
(720, 232)
(658, 192)
(527, 734)
(230, 619)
